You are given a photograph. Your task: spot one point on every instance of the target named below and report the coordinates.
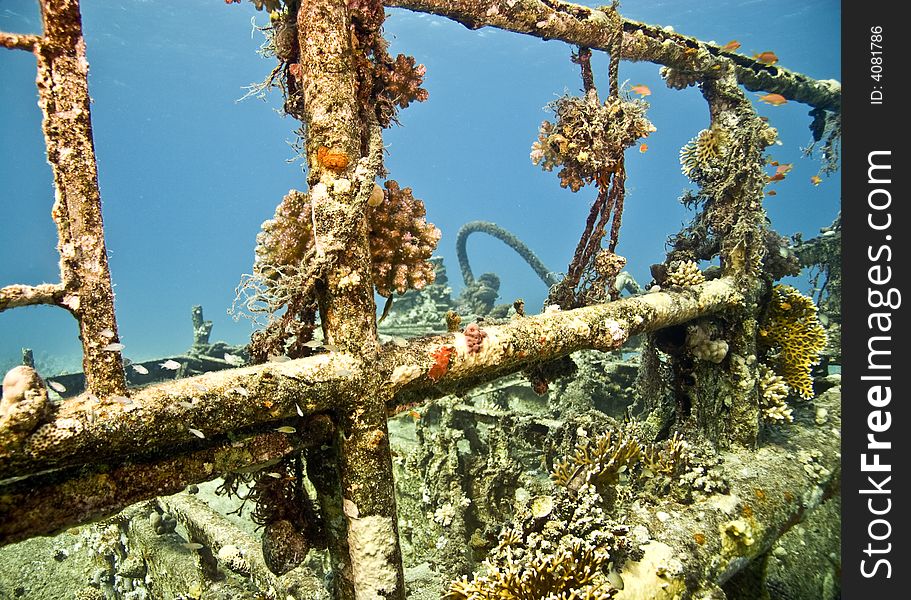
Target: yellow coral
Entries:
(567, 573)
(700, 153)
(792, 327)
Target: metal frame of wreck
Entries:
(99, 452)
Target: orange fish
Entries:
(643, 148)
(784, 169)
(767, 58)
(816, 179)
(775, 177)
(642, 90)
(773, 99)
(774, 163)
(730, 46)
(771, 193)
(414, 414)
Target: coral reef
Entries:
(792, 334)
(588, 137)
(401, 241)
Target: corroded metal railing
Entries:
(166, 436)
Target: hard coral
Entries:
(772, 393)
(599, 461)
(285, 238)
(403, 82)
(567, 573)
(588, 138)
(683, 274)
(792, 332)
(401, 241)
(701, 157)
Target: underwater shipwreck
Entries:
(673, 439)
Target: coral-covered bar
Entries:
(594, 28)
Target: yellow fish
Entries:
(816, 179)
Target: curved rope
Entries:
(507, 238)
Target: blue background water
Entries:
(187, 174)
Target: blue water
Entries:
(187, 174)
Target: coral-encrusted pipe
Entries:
(593, 28)
(63, 97)
(335, 138)
(45, 504)
(83, 431)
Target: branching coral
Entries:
(683, 274)
(567, 574)
(588, 138)
(401, 241)
(792, 332)
(669, 458)
(599, 461)
(772, 393)
(384, 84)
(289, 261)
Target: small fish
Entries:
(642, 90)
(56, 386)
(192, 546)
(331, 347)
(643, 148)
(774, 163)
(767, 58)
(186, 404)
(414, 414)
(731, 46)
(140, 369)
(343, 372)
(200, 387)
(775, 177)
(400, 342)
(286, 429)
(240, 390)
(816, 179)
(196, 432)
(274, 475)
(107, 332)
(785, 168)
(773, 99)
(170, 365)
(121, 400)
(312, 344)
(771, 193)
(300, 411)
(279, 359)
(233, 359)
(115, 347)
